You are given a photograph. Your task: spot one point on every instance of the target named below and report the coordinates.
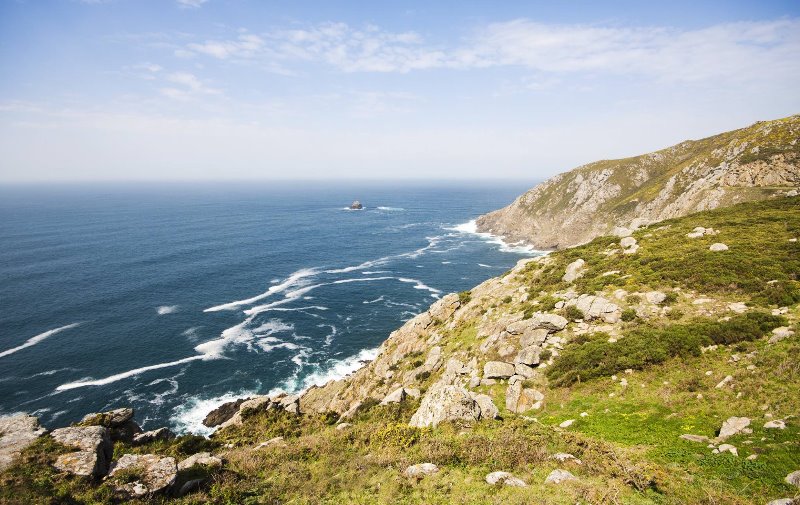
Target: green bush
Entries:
(464, 297)
(397, 435)
(590, 358)
(572, 312)
(507, 299)
(628, 315)
(547, 303)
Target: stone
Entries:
(724, 382)
(279, 441)
(445, 403)
(781, 501)
(627, 242)
(550, 322)
(153, 474)
(631, 250)
(200, 459)
(738, 307)
(520, 399)
(597, 307)
(695, 438)
(533, 337)
(717, 247)
(488, 409)
(793, 479)
(250, 405)
(474, 382)
(567, 423)
(574, 270)
(222, 413)
(498, 370)
(413, 392)
(655, 297)
(558, 476)
(733, 426)
(16, 433)
(420, 470)
(562, 457)
(150, 436)
(778, 424)
(109, 419)
(728, 448)
(505, 479)
(779, 334)
(528, 356)
(94, 444)
(343, 426)
(525, 371)
(396, 396)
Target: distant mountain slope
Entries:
(753, 163)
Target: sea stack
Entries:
(356, 205)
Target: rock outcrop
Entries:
(94, 450)
(446, 403)
(757, 162)
(16, 433)
(143, 474)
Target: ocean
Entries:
(175, 298)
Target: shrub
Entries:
(547, 303)
(633, 299)
(647, 346)
(507, 299)
(422, 376)
(671, 298)
(545, 355)
(464, 297)
(397, 435)
(628, 315)
(675, 314)
(572, 312)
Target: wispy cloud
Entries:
(189, 86)
(191, 4)
(726, 51)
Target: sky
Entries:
(139, 90)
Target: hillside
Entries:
(752, 163)
(666, 375)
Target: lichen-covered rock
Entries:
(420, 470)
(110, 419)
(520, 399)
(445, 403)
(498, 370)
(94, 450)
(488, 409)
(153, 435)
(200, 459)
(558, 476)
(505, 479)
(396, 396)
(16, 433)
(718, 247)
(143, 474)
(793, 478)
(733, 426)
(222, 413)
(574, 270)
(529, 355)
(597, 307)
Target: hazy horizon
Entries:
(226, 90)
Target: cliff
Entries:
(752, 163)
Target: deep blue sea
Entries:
(173, 298)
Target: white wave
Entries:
(270, 343)
(484, 265)
(166, 309)
(397, 209)
(192, 333)
(333, 370)
(348, 208)
(329, 337)
(471, 228)
(299, 309)
(38, 338)
(375, 272)
(272, 326)
(294, 279)
(361, 279)
(446, 262)
(379, 299)
(419, 285)
(125, 375)
(188, 416)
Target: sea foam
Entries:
(38, 338)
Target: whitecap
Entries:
(484, 265)
(295, 278)
(471, 228)
(332, 370)
(376, 300)
(38, 338)
(166, 309)
(391, 209)
(188, 416)
(419, 285)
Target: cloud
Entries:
(190, 87)
(191, 4)
(737, 51)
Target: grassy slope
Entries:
(628, 441)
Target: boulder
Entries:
(793, 479)
(627, 242)
(597, 307)
(119, 421)
(488, 409)
(728, 448)
(504, 479)
(16, 433)
(655, 297)
(779, 334)
(558, 476)
(562, 457)
(189, 486)
(396, 396)
(719, 246)
(732, 426)
(520, 399)
(222, 413)
(420, 470)
(445, 403)
(94, 450)
(143, 474)
(781, 501)
(567, 423)
(343, 426)
(776, 424)
(533, 337)
(153, 435)
(574, 270)
(356, 205)
(274, 441)
(529, 355)
(525, 371)
(700, 439)
(200, 459)
(550, 322)
(498, 370)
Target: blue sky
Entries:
(236, 89)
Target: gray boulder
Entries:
(574, 270)
(396, 396)
(520, 399)
(529, 355)
(558, 476)
(445, 403)
(793, 479)
(94, 450)
(144, 474)
(733, 426)
(498, 370)
(119, 422)
(719, 246)
(488, 409)
(200, 459)
(420, 470)
(222, 413)
(16, 433)
(505, 479)
(151, 436)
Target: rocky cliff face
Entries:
(753, 163)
